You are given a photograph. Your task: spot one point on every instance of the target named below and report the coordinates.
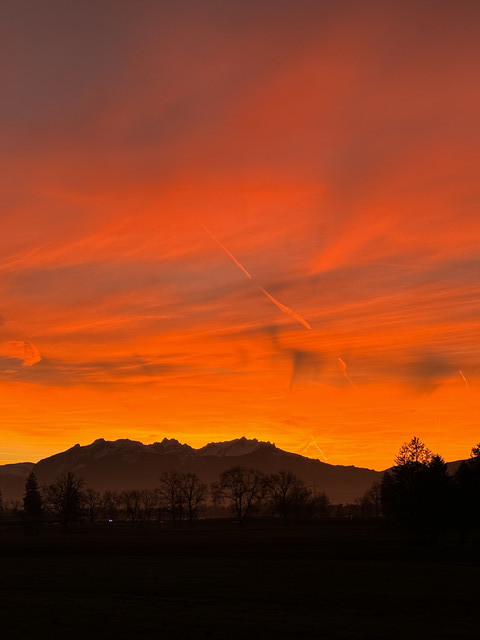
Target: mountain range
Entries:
(128, 464)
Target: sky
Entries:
(223, 219)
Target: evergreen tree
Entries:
(467, 490)
(416, 491)
(32, 504)
(475, 455)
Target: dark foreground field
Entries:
(338, 580)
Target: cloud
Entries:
(21, 350)
(330, 146)
(306, 366)
(427, 372)
(132, 370)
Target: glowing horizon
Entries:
(221, 221)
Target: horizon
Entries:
(220, 218)
(197, 448)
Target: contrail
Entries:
(290, 312)
(343, 367)
(312, 441)
(464, 379)
(467, 387)
(230, 255)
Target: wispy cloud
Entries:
(24, 351)
(332, 150)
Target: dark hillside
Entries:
(126, 464)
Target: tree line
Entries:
(419, 494)
(179, 497)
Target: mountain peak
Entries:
(169, 445)
(238, 447)
(128, 464)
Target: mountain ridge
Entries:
(130, 464)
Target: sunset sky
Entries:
(186, 187)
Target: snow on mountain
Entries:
(101, 448)
(128, 464)
(170, 446)
(238, 447)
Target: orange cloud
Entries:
(333, 149)
(21, 350)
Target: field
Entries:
(337, 580)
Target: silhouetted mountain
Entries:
(12, 480)
(239, 447)
(453, 466)
(127, 464)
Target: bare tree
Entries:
(286, 493)
(131, 501)
(110, 504)
(371, 502)
(194, 493)
(321, 505)
(64, 498)
(241, 487)
(148, 504)
(171, 495)
(93, 504)
(12, 508)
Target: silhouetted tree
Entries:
(475, 465)
(148, 504)
(467, 493)
(171, 495)
(110, 504)
(32, 505)
(64, 498)
(287, 494)
(241, 487)
(131, 502)
(371, 502)
(416, 491)
(413, 453)
(194, 492)
(93, 504)
(321, 505)
(436, 496)
(475, 454)
(13, 508)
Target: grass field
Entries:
(341, 580)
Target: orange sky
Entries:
(331, 148)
